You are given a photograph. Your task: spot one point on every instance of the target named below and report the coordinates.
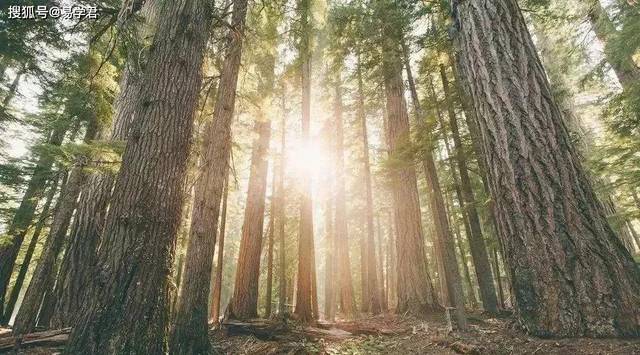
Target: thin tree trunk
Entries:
(13, 88)
(496, 268)
(128, 308)
(373, 299)
(282, 271)
(217, 288)
(189, 334)
(444, 239)
(244, 304)
(561, 252)
(625, 69)
(269, 294)
(24, 267)
(25, 213)
(476, 240)
(304, 295)
(330, 272)
(343, 262)
(384, 306)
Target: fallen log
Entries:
(260, 328)
(49, 338)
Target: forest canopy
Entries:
(319, 176)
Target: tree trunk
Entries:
(217, 286)
(384, 306)
(24, 267)
(373, 291)
(76, 270)
(24, 215)
(625, 69)
(281, 218)
(304, 295)
(128, 308)
(570, 273)
(343, 262)
(330, 269)
(244, 304)
(476, 240)
(269, 295)
(44, 276)
(190, 331)
(415, 291)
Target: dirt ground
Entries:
(391, 334)
(402, 335)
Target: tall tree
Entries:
(341, 237)
(305, 296)
(76, 270)
(127, 311)
(24, 266)
(561, 252)
(244, 303)
(280, 218)
(475, 237)
(372, 297)
(214, 310)
(189, 334)
(25, 213)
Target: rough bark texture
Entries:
(244, 304)
(476, 240)
(269, 296)
(44, 276)
(343, 262)
(128, 308)
(280, 219)
(570, 273)
(24, 267)
(305, 296)
(217, 285)
(415, 291)
(190, 331)
(371, 295)
(78, 264)
(26, 211)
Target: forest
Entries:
(320, 177)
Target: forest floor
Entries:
(390, 334)
(386, 334)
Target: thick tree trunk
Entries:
(24, 267)
(76, 270)
(343, 262)
(570, 273)
(476, 240)
(189, 334)
(244, 304)
(128, 308)
(305, 297)
(217, 286)
(25, 213)
(415, 291)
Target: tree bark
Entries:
(189, 334)
(305, 297)
(281, 218)
(372, 292)
(570, 273)
(24, 267)
(128, 308)
(76, 270)
(343, 262)
(217, 286)
(476, 240)
(244, 304)
(415, 291)
(25, 213)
